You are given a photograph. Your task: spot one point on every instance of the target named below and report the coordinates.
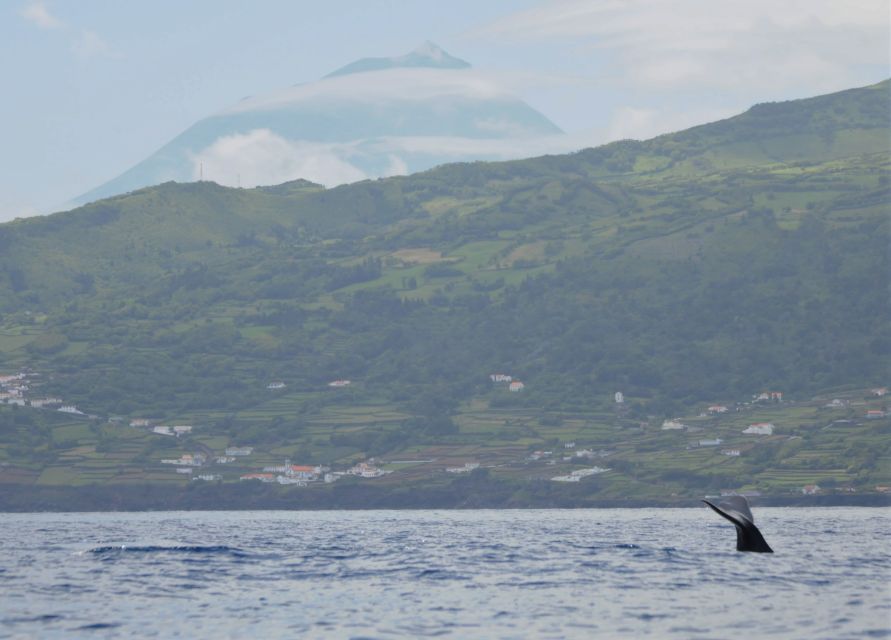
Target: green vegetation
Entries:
(699, 267)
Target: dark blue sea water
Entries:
(661, 573)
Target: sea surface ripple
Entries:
(661, 573)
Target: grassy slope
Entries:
(146, 272)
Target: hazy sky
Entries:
(91, 87)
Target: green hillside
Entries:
(696, 268)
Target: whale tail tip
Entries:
(736, 510)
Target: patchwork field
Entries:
(811, 444)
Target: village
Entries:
(15, 390)
(240, 462)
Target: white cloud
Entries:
(261, 157)
(84, 43)
(732, 46)
(630, 122)
(419, 84)
(381, 86)
(396, 167)
(642, 123)
(456, 149)
(11, 210)
(88, 45)
(35, 11)
(695, 23)
(502, 127)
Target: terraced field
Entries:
(811, 444)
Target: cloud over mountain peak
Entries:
(372, 118)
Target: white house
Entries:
(339, 383)
(70, 408)
(500, 377)
(162, 430)
(239, 451)
(759, 429)
(187, 460)
(810, 489)
(714, 442)
(39, 403)
(516, 386)
(262, 477)
(467, 468)
(584, 473)
(366, 470)
(276, 385)
(279, 468)
(717, 408)
(672, 424)
(578, 474)
(619, 397)
(302, 472)
(733, 453)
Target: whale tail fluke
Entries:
(748, 537)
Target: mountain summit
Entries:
(372, 118)
(427, 55)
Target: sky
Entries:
(91, 87)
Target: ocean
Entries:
(659, 573)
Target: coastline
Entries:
(250, 496)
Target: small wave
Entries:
(68, 588)
(585, 547)
(647, 617)
(440, 574)
(530, 584)
(151, 548)
(98, 625)
(49, 617)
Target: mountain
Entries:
(428, 55)
(374, 117)
(692, 270)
